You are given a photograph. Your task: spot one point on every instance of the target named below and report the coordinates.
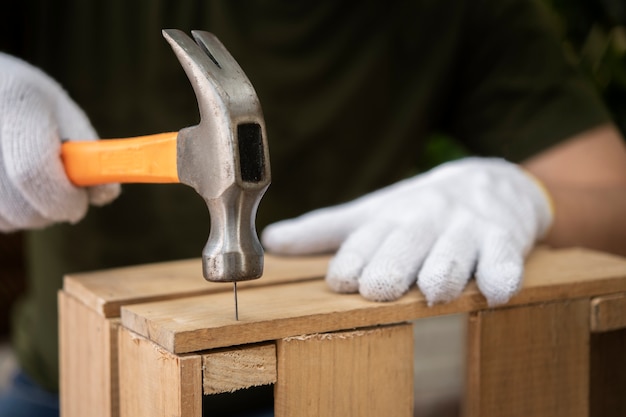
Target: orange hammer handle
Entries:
(142, 159)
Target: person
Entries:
(352, 95)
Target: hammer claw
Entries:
(216, 51)
(225, 157)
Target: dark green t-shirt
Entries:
(351, 92)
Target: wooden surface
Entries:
(608, 312)
(365, 373)
(607, 390)
(236, 368)
(270, 313)
(88, 361)
(529, 361)
(155, 383)
(107, 290)
(192, 315)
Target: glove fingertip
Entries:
(384, 284)
(499, 282)
(500, 268)
(298, 237)
(379, 291)
(438, 291)
(78, 210)
(101, 195)
(445, 274)
(273, 238)
(281, 238)
(343, 273)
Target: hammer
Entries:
(225, 158)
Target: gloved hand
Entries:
(472, 216)
(35, 113)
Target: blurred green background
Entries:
(593, 33)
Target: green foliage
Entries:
(438, 149)
(594, 34)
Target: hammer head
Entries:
(225, 158)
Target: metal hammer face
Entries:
(225, 158)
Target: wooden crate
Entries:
(151, 340)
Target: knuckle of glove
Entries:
(501, 193)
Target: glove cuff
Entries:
(548, 199)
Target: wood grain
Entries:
(269, 313)
(106, 291)
(363, 373)
(156, 383)
(87, 361)
(529, 361)
(236, 368)
(608, 312)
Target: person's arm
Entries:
(586, 178)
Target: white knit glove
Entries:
(473, 216)
(35, 113)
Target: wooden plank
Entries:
(529, 361)
(608, 312)
(354, 373)
(608, 374)
(156, 383)
(270, 313)
(236, 368)
(87, 361)
(107, 290)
